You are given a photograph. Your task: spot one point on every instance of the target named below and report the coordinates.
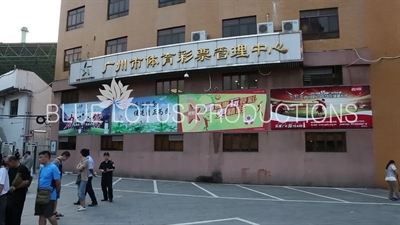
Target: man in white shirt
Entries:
(89, 187)
(4, 188)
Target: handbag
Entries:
(43, 195)
(18, 179)
(78, 179)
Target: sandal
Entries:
(57, 214)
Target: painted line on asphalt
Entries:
(322, 196)
(73, 182)
(252, 199)
(119, 179)
(205, 190)
(246, 221)
(360, 193)
(155, 186)
(216, 221)
(261, 193)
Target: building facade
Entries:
(310, 49)
(24, 96)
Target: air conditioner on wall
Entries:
(290, 25)
(199, 35)
(265, 28)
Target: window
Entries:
(67, 143)
(325, 142)
(117, 8)
(320, 76)
(237, 82)
(112, 143)
(173, 142)
(239, 26)
(14, 108)
(164, 3)
(246, 142)
(319, 24)
(170, 87)
(75, 18)
(116, 45)
(71, 55)
(70, 96)
(171, 36)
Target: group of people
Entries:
(15, 179)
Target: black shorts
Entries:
(45, 210)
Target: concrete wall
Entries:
(385, 79)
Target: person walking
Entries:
(82, 179)
(107, 167)
(27, 161)
(49, 180)
(20, 180)
(89, 187)
(4, 188)
(58, 162)
(392, 178)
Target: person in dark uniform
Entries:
(107, 167)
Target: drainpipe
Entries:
(27, 115)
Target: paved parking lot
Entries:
(155, 202)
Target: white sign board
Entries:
(215, 53)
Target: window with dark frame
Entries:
(112, 143)
(117, 8)
(244, 142)
(71, 55)
(320, 24)
(171, 36)
(116, 45)
(322, 76)
(67, 143)
(14, 108)
(164, 3)
(238, 82)
(325, 141)
(168, 143)
(75, 18)
(239, 26)
(70, 96)
(165, 87)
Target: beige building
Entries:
(329, 53)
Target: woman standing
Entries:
(4, 187)
(83, 177)
(391, 177)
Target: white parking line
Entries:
(155, 186)
(117, 181)
(73, 182)
(261, 193)
(322, 196)
(360, 193)
(216, 221)
(251, 199)
(210, 193)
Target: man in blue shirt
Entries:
(49, 178)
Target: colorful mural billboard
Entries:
(343, 107)
(153, 114)
(84, 118)
(228, 111)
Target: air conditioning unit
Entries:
(199, 35)
(290, 25)
(265, 28)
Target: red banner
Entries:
(343, 107)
